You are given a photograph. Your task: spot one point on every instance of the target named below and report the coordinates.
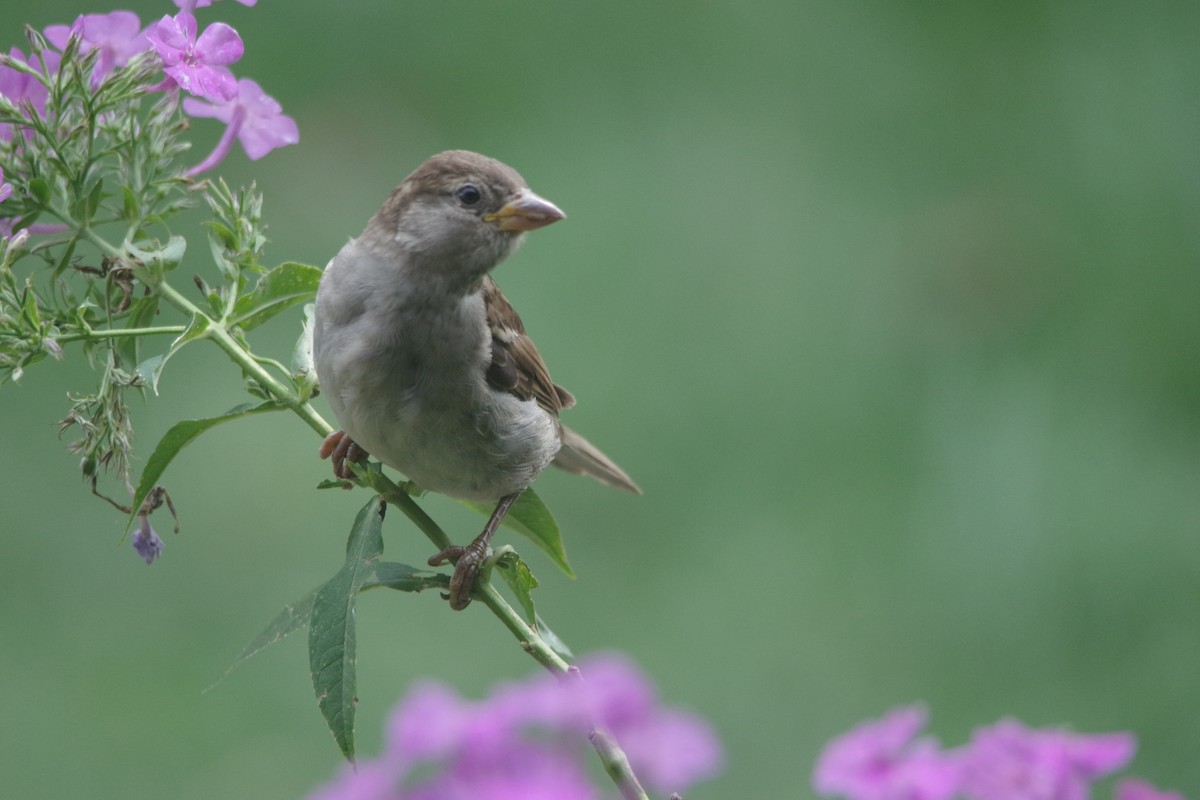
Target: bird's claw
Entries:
(467, 563)
(340, 448)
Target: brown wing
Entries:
(517, 366)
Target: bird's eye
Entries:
(468, 194)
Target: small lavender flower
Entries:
(6, 189)
(146, 541)
(252, 117)
(118, 36)
(197, 64)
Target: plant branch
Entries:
(613, 758)
(117, 333)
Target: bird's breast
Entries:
(406, 381)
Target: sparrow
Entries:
(428, 367)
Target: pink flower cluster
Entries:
(528, 741)
(196, 62)
(885, 759)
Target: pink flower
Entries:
(18, 86)
(190, 5)
(252, 117)
(881, 760)
(1009, 761)
(196, 64)
(443, 747)
(118, 36)
(1134, 789)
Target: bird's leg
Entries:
(341, 448)
(467, 560)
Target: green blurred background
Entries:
(890, 307)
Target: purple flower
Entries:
(1009, 761)
(191, 5)
(669, 749)
(18, 86)
(5, 188)
(371, 780)
(523, 770)
(146, 541)
(880, 760)
(485, 749)
(197, 64)
(1134, 789)
(672, 749)
(118, 36)
(252, 117)
(428, 723)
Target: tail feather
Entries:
(581, 457)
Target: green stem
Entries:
(216, 332)
(117, 333)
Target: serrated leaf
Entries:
(530, 517)
(178, 437)
(283, 287)
(331, 637)
(520, 579)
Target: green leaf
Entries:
(304, 372)
(40, 190)
(158, 258)
(178, 437)
(141, 314)
(130, 203)
(530, 517)
(64, 260)
(292, 618)
(297, 615)
(93, 199)
(331, 637)
(518, 577)
(402, 577)
(151, 369)
(283, 287)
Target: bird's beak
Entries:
(525, 212)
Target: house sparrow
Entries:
(424, 362)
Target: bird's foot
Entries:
(467, 563)
(340, 448)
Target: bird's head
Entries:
(460, 214)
